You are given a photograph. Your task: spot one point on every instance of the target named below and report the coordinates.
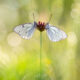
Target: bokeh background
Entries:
(19, 58)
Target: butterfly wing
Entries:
(26, 30)
(55, 34)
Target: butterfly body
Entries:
(26, 31)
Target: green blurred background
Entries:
(19, 58)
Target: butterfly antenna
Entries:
(33, 16)
(50, 18)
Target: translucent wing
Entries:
(26, 30)
(55, 34)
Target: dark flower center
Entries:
(41, 26)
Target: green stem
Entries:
(40, 54)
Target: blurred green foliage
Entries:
(19, 58)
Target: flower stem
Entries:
(40, 54)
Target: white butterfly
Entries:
(26, 31)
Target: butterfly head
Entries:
(41, 26)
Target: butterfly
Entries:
(26, 30)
